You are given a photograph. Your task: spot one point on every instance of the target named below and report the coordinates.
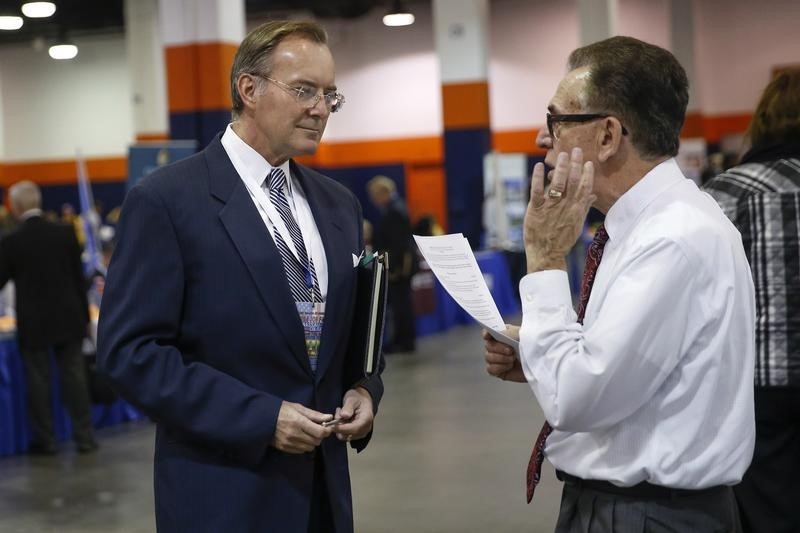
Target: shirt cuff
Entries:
(547, 288)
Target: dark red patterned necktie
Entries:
(593, 257)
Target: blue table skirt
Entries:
(448, 313)
(14, 432)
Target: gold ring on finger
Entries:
(553, 193)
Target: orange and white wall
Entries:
(393, 82)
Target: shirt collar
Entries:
(251, 163)
(35, 212)
(623, 214)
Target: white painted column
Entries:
(461, 30)
(194, 21)
(2, 127)
(682, 46)
(598, 20)
(146, 64)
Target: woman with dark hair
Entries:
(762, 197)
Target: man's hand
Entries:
(501, 360)
(357, 410)
(554, 218)
(298, 429)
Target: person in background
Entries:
(762, 197)
(43, 259)
(68, 216)
(393, 235)
(67, 213)
(229, 303)
(426, 226)
(367, 237)
(112, 218)
(647, 389)
(7, 223)
(715, 165)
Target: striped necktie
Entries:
(593, 257)
(300, 273)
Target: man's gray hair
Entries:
(24, 196)
(254, 55)
(643, 85)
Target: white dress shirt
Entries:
(657, 384)
(254, 170)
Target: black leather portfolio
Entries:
(366, 338)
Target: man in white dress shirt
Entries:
(649, 394)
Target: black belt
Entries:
(643, 490)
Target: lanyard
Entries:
(264, 204)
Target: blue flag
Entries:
(91, 223)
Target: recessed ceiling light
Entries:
(36, 10)
(398, 19)
(10, 23)
(63, 51)
(398, 15)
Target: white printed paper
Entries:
(451, 260)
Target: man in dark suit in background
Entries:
(228, 307)
(44, 261)
(393, 235)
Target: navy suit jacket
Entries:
(198, 328)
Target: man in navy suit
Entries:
(228, 307)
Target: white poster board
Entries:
(505, 197)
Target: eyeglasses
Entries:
(555, 118)
(308, 96)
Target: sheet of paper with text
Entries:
(451, 260)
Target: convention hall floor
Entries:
(448, 455)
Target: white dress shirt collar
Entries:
(626, 210)
(35, 212)
(250, 164)
(253, 170)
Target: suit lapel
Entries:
(326, 216)
(246, 229)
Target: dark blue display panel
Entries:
(201, 126)
(464, 151)
(109, 195)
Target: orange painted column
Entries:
(461, 33)
(200, 40)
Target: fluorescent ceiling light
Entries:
(10, 23)
(63, 51)
(398, 19)
(36, 10)
(398, 15)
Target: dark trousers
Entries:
(74, 392)
(399, 296)
(591, 507)
(769, 494)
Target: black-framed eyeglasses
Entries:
(555, 118)
(308, 96)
